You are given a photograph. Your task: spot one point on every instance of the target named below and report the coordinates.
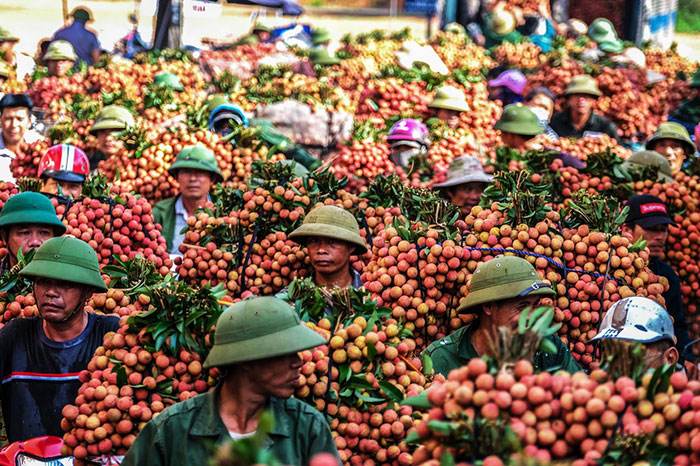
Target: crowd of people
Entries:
(257, 340)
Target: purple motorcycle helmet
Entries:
(514, 80)
(408, 133)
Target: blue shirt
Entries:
(180, 223)
(82, 40)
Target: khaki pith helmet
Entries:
(329, 221)
(501, 278)
(583, 84)
(501, 22)
(672, 130)
(456, 28)
(519, 119)
(450, 98)
(259, 328)
(7, 36)
(650, 158)
(113, 117)
(60, 50)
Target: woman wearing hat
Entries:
(579, 119)
(465, 183)
(255, 347)
(672, 141)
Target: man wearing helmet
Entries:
(40, 357)
(465, 183)
(408, 138)
(499, 291)
(331, 235)
(449, 103)
(644, 321)
(60, 58)
(62, 170)
(109, 121)
(256, 345)
(27, 221)
(673, 142)
(648, 219)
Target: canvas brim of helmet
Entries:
(328, 231)
(636, 333)
(63, 175)
(287, 341)
(505, 291)
(473, 178)
(32, 217)
(450, 104)
(582, 90)
(687, 142)
(525, 129)
(39, 268)
(108, 123)
(195, 165)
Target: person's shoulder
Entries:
(447, 343)
(180, 410)
(18, 326)
(165, 204)
(106, 322)
(665, 269)
(297, 407)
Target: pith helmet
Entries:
(602, 30)
(330, 222)
(319, 36)
(638, 319)
(519, 119)
(322, 57)
(60, 50)
(450, 98)
(113, 117)
(583, 84)
(7, 36)
(68, 259)
(612, 46)
(672, 130)
(501, 22)
(30, 208)
(650, 158)
(168, 80)
(456, 28)
(261, 27)
(462, 170)
(259, 328)
(214, 100)
(503, 277)
(198, 158)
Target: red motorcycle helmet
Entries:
(38, 450)
(64, 162)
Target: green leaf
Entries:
(442, 427)
(122, 378)
(391, 391)
(548, 346)
(370, 399)
(447, 459)
(419, 401)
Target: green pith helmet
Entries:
(650, 158)
(214, 100)
(259, 328)
(671, 130)
(7, 36)
(322, 57)
(113, 117)
(330, 221)
(261, 27)
(611, 46)
(450, 98)
(696, 79)
(30, 208)
(519, 119)
(503, 277)
(198, 158)
(456, 28)
(67, 259)
(168, 80)
(583, 84)
(60, 50)
(320, 36)
(602, 30)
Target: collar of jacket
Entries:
(208, 422)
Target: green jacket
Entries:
(186, 434)
(164, 213)
(456, 350)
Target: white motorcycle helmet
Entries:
(637, 319)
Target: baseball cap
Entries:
(648, 211)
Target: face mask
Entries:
(540, 113)
(402, 158)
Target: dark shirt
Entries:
(40, 376)
(561, 123)
(82, 40)
(674, 301)
(95, 159)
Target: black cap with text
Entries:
(648, 211)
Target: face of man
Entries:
(465, 196)
(674, 152)
(329, 256)
(543, 102)
(27, 237)
(15, 122)
(72, 189)
(59, 67)
(581, 104)
(107, 143)
(57, 299)
(194, 184)
(655, 237)
(516, 141)
(505, 313)
(450, 117)
(660, 353)
(275, 377)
